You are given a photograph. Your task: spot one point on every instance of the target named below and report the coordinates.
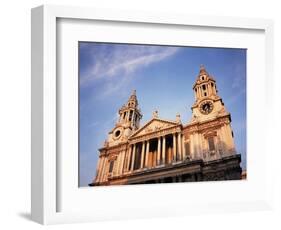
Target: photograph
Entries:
(151, 114)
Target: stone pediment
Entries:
(154, 125)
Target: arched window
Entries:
(131, 114)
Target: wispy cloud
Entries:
(236, 96)
(239, 80)
(115, 64)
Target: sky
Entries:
(163, 77)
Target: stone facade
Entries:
(163, 151)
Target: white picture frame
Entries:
(47, 173)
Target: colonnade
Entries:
(146, 154)
(153, 156)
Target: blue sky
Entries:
(163, 77)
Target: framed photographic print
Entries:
(140, 115)
(195, 144)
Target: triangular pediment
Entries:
(154, 125)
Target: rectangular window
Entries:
(211, 143)
(111, 166)
(187, 149)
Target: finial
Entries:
(134, 92)
(155, 114)
(203, 69)
(178, 118)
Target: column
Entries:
(121, 117)
(183, 148)
(147, 152)
(229, 131)
(179, 146)
(142, 154)
(225, 140)
(214, 89)
(228, 138)
(196, 149)
(121, 162)
(116, 165)
(103, 169)
(129, 159)
(163, 150)
(222, 141)
(198, 144)
(127, 116)
(98, 170)
(133, 158)
(192, 151)
(174, 147)
(159, 151)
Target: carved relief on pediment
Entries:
(148, 130)
(154, 126)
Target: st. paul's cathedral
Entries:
(164, 151)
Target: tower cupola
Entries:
(130, 112)
(205, 85)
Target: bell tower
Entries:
(209, 115)
(208, 103)
(128, 122)
(129, 113)
(204, 86)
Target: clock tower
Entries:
(128, 121)
(208, 104)
(209, 131)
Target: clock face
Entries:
(206, 107)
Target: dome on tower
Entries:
(203, 76)
(133, 101)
